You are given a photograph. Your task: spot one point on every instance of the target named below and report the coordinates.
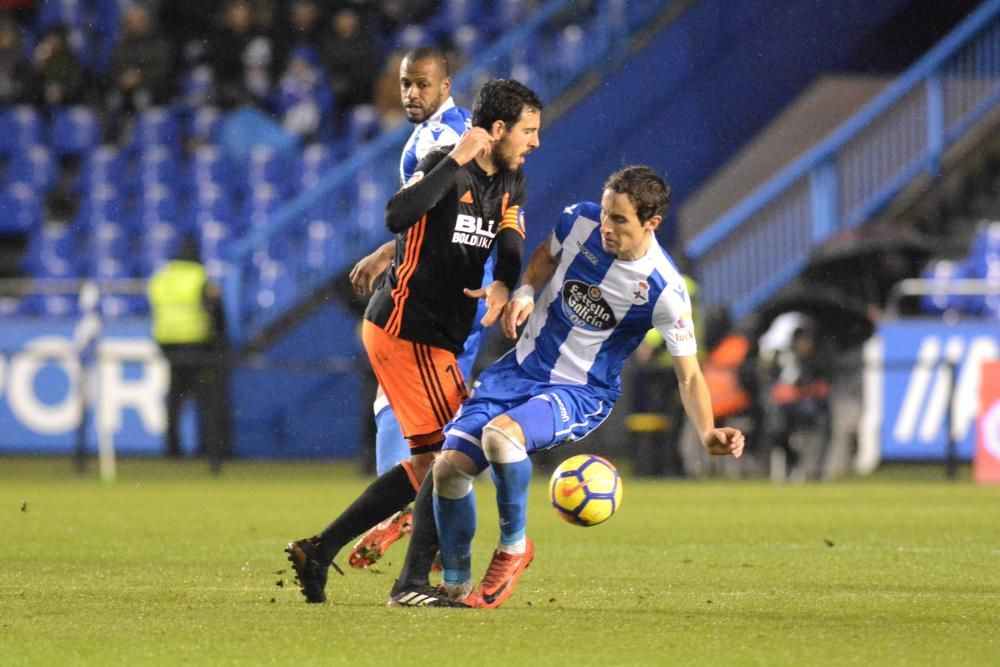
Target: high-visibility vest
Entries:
(175, 298)
(721, 371)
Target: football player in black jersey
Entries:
(460, 202)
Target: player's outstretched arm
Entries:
(496, 294)
(369, 268)
(541, 268)
(698, 406)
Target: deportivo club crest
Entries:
(639, 292)
(585, 306)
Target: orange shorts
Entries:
(422, 383)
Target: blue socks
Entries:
(512, 481)
(456, 522)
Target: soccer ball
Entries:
(585, 490)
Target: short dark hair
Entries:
(429, 53)
(649, 193)
(503, 99)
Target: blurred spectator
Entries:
(15, 70)
(351, 59)
(846, 411)
(730, 369)
(387, 91)
(23, 11)
(57, 76)
(799, 407)
(241, 56)
(657, 393)
(304, 101)
(140, 66)
(304, 27)
(398, 13)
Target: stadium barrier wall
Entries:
(281, 407)
(921, 389)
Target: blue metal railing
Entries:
(765, 240)
(321, 232)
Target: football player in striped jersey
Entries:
(589, 295)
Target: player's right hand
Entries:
(367, 271)
(515, 313)
(474, 141)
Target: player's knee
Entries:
(502, 446)
(450, 481)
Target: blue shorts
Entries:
(549, 414)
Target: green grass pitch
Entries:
(171, 566)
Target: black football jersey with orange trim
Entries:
(420, 297)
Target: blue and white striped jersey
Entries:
(595, 310)
(442, 129)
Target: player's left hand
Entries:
(496, 295)
(724, 441)
(368, 270)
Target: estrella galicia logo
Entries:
(585, 306)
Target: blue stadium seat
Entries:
(104, 202)
(323, 249)
(20, 127)
(157, 165)
(54, 305)
(75, 131)
(21, 208)
(106, 29)
(267, 167)
(156, 126)
(104, 166)
(986, 241)
(52, 252)
(510, 14)
(215, 238)
(107, 241)
(11, 306)
(469, 40)
(59, 12)
(110, 268)
(571, 53)
(942, 271)
(197, 87)
(410, 37)
(317, 160)
(273, 286)
(205, 124)
(372, 190)
(210, 203)
(363, 125)
(263, 200)
(157, 204)
(121, 306)
(462, 12)
(35, 166)
(208, 166)
(159, 243)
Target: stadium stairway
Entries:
(888, 172)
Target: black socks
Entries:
(423, 546)
(385, 496)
